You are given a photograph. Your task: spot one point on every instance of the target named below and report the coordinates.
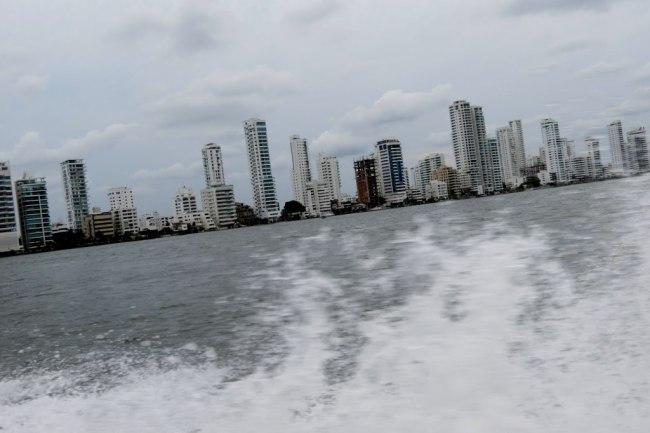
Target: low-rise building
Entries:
(318, 197)
(437, 190)
(100, 225)
(219, 203)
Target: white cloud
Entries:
(399, 106)
(177, 170)
(31, 84)
(32, 149)
(341, 143)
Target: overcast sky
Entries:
(136, 88)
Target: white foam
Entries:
(460, 356)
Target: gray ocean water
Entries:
(526, 312)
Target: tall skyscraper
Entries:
(518, 148)
(638, 145)
(300, 169)
(555, 151)
(263, 184)
(492, 165)
(469, 140)
(507, 159)
(212, 165)
(426, 166)
(218, 198)
(617, 146)
(123, 208)
(73, 174)
(390, 170)
(33, 212)
(365, 174)
(594, 162)
(328, 172)
(8, 230)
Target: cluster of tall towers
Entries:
(315, 194)
(485, 164)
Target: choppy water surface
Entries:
(520, 313)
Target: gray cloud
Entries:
(178, 170)
(223, 97)
(526, 7)
(601, 68)
(191, 31)
(572, 46)
(314, 12)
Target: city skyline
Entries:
(135, 116)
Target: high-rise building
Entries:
(328, 172)
(365, 174)
(318, 198)
(73, 174)
(33, 212)
(492, 165)
(638, 145)
(507, 160)
(568, 149)
(617, 147)
(390, 170)
(185, 202)
(555, 151)
(426, 166)
(123, 207)
(518, 148)
(594, 162)
(218, 198)
(468, 137)
(259, 161)
(219, 203)
(8, 230)
(580, 167)
(212, 165)
(300, 168)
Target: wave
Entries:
(490, 333)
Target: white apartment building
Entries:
(555, 151)
(8, 227)
(218, 198)
(123, 207)
(638, 145)
(151, 221)
(300, 167)
(518, 146)
(437, 190)
(617, 147)
(75, 189)
(318, 199)
(507, 161)
(328, 172)
(265, 198)
(427, 165)
(219, 204)
(185, 202)
(390, 171)
(594, 162)
(492, 166)
(212, 165)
